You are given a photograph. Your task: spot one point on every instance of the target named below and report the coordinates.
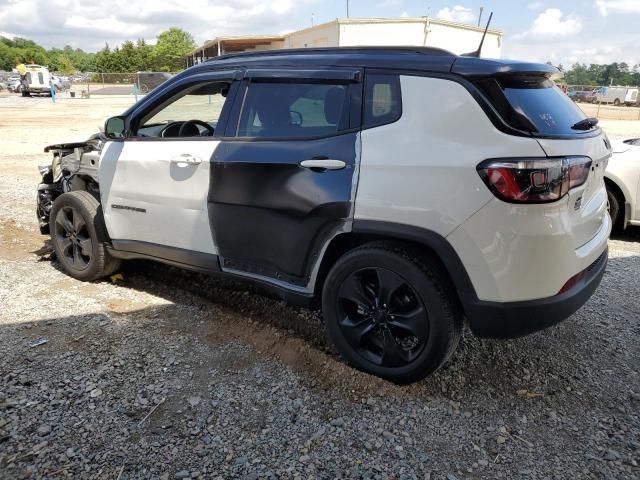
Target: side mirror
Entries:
(114, 127)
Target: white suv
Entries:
(402, 189)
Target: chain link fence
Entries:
(115, 84)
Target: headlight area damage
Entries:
(74, 167)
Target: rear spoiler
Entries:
(477, 67)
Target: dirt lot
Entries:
(169, 374)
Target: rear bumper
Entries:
(515, 319)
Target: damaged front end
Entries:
(74, 167)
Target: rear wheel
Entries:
(78, 235)
(616, 102)
(388, 312)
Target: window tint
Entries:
(202, 101)
(533, 104)
(293, 110)
(383, 103)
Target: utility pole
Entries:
(312, 18)
(347, 8)
(480, 16)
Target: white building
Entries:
(348, 32)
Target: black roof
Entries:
(426, 59)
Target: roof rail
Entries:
(337, 51)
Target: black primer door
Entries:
(283, 185)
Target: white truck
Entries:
(37, 80)
(616, 95)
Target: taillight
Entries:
(534, 180)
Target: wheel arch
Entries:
(618, 189)
(426, 241)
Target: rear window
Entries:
(534, 104)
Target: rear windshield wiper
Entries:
(585, 124)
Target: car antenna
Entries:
(476, 53)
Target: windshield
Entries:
(542, 104)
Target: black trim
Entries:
(515, 319)
(494, 319)
(433, 240)
(293, 75)
(204, 263)
(179, 257)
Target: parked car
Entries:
(15, 86)
(147, 81)
(60, 83)
(581, 95)
(377, 183)
(622, 179)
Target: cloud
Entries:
(457, 13)
(617, 6)
(552, 23)
(90, 23)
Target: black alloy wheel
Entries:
(73, 237)
(391, 310)
(79, 236)
(382, 317)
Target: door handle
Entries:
(186, 158)
(323, 164)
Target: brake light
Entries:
(534, 180)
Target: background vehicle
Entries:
(632, 98)
(147, 81)
(615, 95)
(384, 188)
(15, 86)
(622, 179)
(61, 83)
(581, 95)
(38, 81)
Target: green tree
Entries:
(171, 48)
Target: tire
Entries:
(614, 206)
(144, 88)
(616, 102)
(403, 340)
(78, 235)
(25, 94)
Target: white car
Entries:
(401, 189)
(622, 179)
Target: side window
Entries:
(294, 110)
(198, 105)
(383, 102)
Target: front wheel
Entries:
(78, 235)
(389, 312)
(614, 206)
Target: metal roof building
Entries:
(347, 32)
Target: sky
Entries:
(564, 32)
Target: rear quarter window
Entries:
(383, 102)
(533, 104)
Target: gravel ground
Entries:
(170, 374)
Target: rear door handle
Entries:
(186, 158)
(323, 164)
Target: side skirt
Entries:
(208, 264)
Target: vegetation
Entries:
(594, 74)
(167, 55)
